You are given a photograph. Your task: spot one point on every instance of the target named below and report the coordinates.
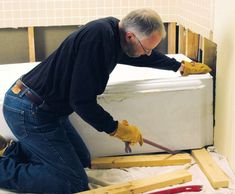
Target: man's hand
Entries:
(188, 68)
(128, 133)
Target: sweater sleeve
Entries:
(89, 79)
(155, 60)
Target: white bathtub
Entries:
(172, 110)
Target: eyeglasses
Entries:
(147, 51)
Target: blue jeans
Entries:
(49, 156)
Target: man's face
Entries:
(134, 47)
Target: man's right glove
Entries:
(128, 133)
(194, 68)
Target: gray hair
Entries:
(143, 22)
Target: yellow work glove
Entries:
(194, 68)
(128, 133)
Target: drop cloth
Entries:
(105, 177)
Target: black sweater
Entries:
(74, 74)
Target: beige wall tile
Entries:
(63, 12)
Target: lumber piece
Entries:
(146, 184)
(31, 43)
(212, 171)
(192, 44)
(140, 161)
(182, 40)
(171, 38)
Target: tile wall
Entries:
(196, 14)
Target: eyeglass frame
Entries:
(147, 51)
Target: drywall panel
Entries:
(14, 45)
(47, 39)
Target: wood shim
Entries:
(140, 161)
(146, 184)
(213, 172)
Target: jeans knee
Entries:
(71, 184)
(80, 184)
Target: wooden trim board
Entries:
(213, 172)
(146, 184)
(140, 161)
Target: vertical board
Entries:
(192, 44)
(31, 44)
(171, 38)
(182, 40)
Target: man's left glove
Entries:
(194, 68)
(128, 133)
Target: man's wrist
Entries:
(113, 133)
(181, 67)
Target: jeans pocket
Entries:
(15, 120)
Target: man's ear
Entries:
(129, 36)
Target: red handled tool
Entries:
(189, 188)
(160, 146)
(128, 148)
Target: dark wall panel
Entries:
(47, 39)
(162, 47)
(14, 45)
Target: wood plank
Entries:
(192, 44)
(31, 44)
(145, 184)
(140, 161)
(171, 38)
(182, 40)
(213, 172)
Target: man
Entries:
(50, 156)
